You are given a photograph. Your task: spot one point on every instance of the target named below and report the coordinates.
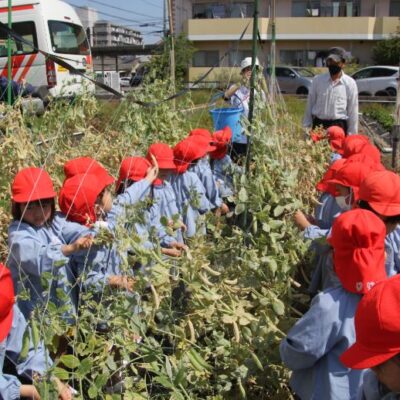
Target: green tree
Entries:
(160, 64)
(387, 52)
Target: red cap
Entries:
(7, 300)
(78, 196)
(323, 185)
(133, 168)
(31, 184)
(87, 165)
(358, 241)
(353, 144)
(201, 132)
(336, 138)
(185, 152)
(351, 175)
(163, 154)
(377, 323)
(381, 189)
(221, 140)
(366, 159)
(372, 152)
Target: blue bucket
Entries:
(223, 117)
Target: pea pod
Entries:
(35, 334)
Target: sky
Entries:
(130, 13)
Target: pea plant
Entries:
(206, 325)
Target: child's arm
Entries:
(10, 387)
(313, 335)
(33, 256)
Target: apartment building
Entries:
(106, 33)
(305, 30)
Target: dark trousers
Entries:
(326, 123)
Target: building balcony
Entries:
(307, 28)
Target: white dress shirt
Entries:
(330, 100)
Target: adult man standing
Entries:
(333, 97)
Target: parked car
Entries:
(125, 81)
(138, 76)
(293, 79)
(379, 80)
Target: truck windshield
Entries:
(68, 38)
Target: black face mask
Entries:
(334, 69)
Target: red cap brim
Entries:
(359, 357)
(387, 210)
(22, 198)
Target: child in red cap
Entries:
(189, 191)
(83, 165)
(313, 346)
(380, 193)
(36, 244)
(161, 191)
(201, 166)
(132, 170)
(221, 163)
(377, 346)
(12, 331)
(86, 200)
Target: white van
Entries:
(52, 26)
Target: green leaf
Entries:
(278, 307)
(243, 195)
(61, 373)
(278, 211)
(92, 392)
(240, 208)
(70, 361)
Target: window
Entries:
(206, 58)
(68, 38)
(236, 57)
(394, 10)
(363, 74)
(306, 8)
(382, 72)
(25, 29)
(217, 10)
(283, 72)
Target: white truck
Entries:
(54, 27)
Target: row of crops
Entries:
(213, 320)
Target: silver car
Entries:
(377, 80)
(293, 79)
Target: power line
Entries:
(121, 9)
(114, 16)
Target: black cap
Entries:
(337, 54)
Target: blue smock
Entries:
(190, 198)
(34, 251)
(37, 361)
(203, 170)
(223, 170)
(314, 344)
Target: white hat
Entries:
(247, 63)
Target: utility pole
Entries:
(272, 82)
(252, 90)
(172, 50)
(396, 127)
(9, 56)
(165, 24)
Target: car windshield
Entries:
(67, 38)
(305, 72)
